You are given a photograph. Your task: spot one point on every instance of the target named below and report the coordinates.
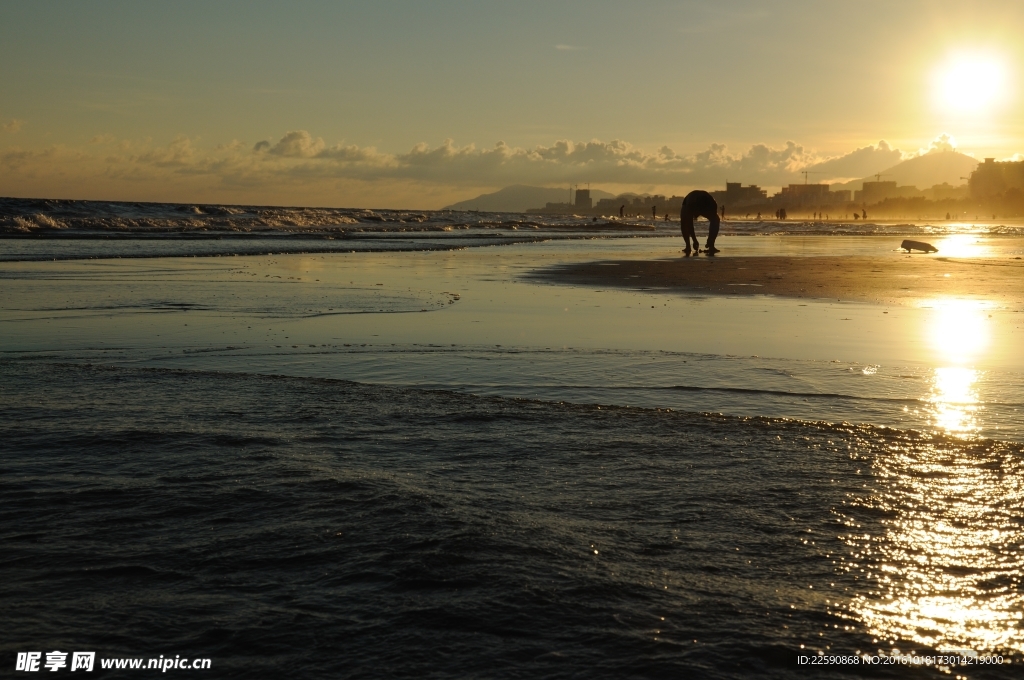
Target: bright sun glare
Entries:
(970, 83)
(959, 329)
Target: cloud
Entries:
(352, 153)
(43, 163)
(14, 125)
(857, 164)
(942, 143)
(297, 144)
(178, 154)
(616, 162)
(300, 168)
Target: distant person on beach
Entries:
(654, 212)
(864, 214)
(699, 204)
(622, 210)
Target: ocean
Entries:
(47, 229)
(299, 445)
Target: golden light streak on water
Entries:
(947, 572)
(954, 400)
(947, 569)
(959, 333)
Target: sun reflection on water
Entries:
(959, 334)
(954, 400)
(944, 564)
(958, 330)
(947, 571)
(965, 244)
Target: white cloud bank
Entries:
(615, 162)
(301, 169)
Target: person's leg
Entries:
(686, 226)
(713, 224)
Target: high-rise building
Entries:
(992, 178)
(583, 200)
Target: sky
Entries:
(421, 104)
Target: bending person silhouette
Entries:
(699, 204)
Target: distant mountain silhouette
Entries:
(923, 171)
(519, 198)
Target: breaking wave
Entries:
(58, 217)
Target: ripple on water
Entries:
(306, 527)
(946, 567)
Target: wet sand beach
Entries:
(888, 278)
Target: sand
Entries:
(890, 278)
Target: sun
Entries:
(970, 83)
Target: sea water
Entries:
(278, 464)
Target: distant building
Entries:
(737, 196)
(876, 192)
(993, 178)
(583, 200)
(638, 205)
(946, 192)
(797, 195)
(553, 209)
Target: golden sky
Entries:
(413, 104)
